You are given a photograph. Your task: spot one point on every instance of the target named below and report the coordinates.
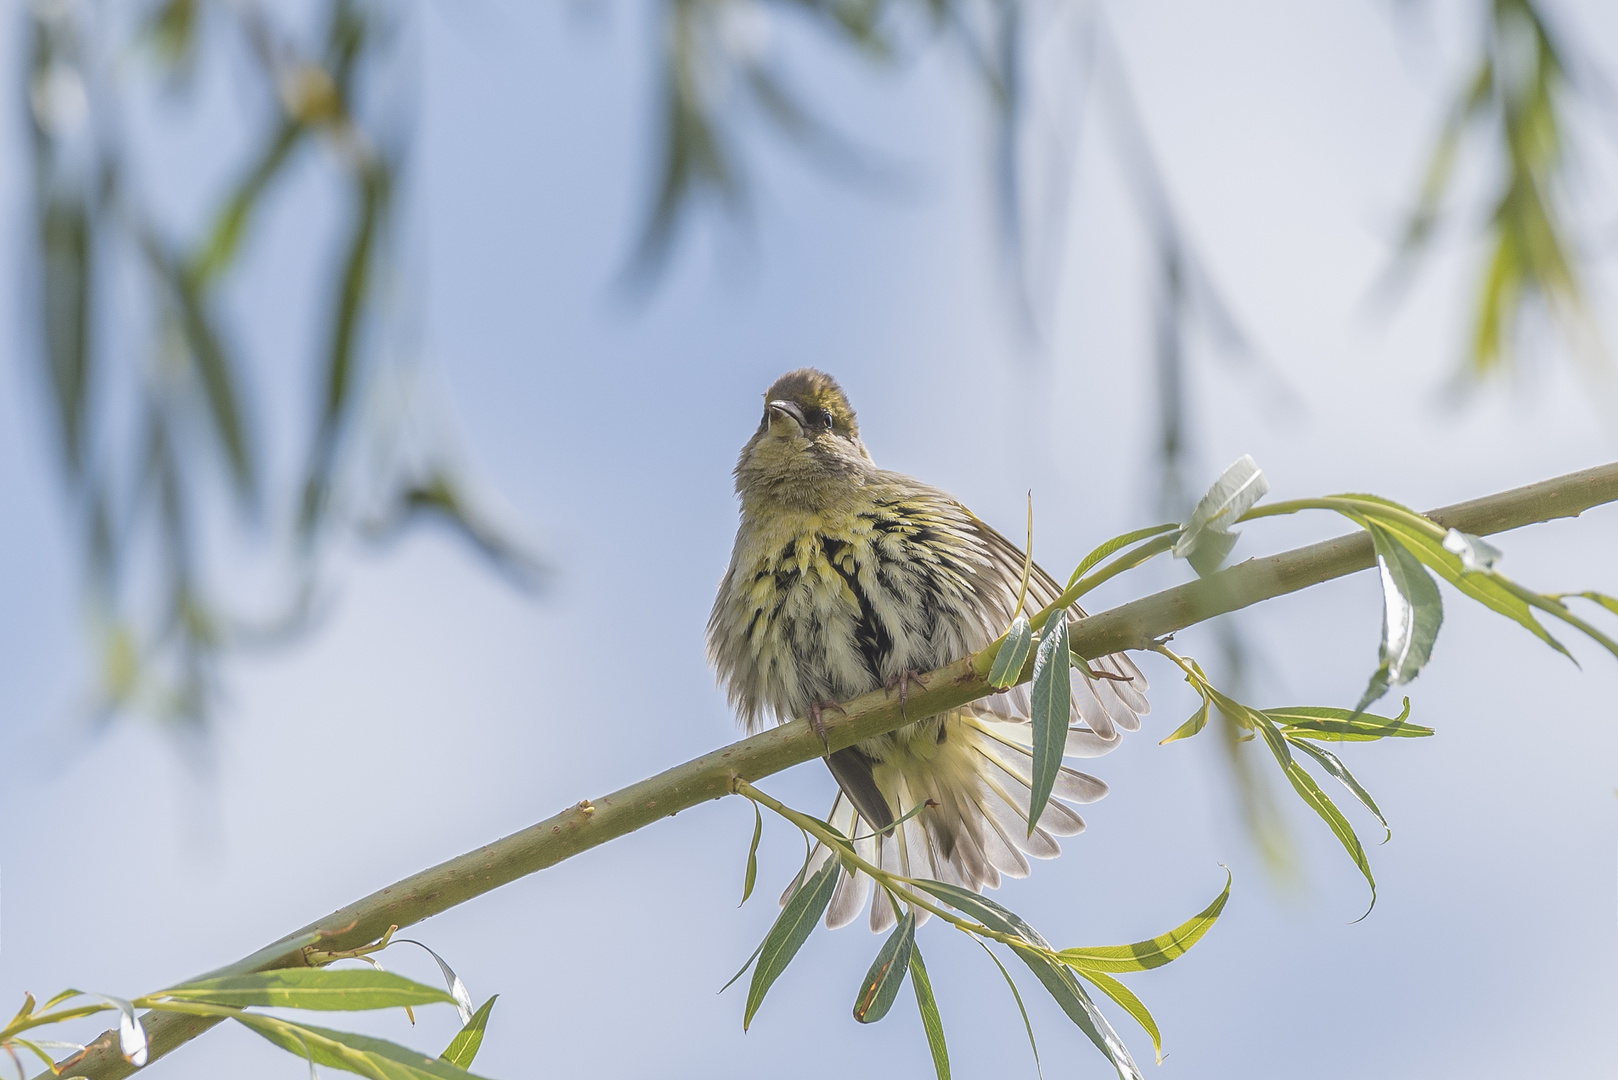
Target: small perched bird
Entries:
(847, 578)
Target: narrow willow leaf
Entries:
(464, 1047)
(751, 877)
(912, 812)
(132, 1042)
(68, 241)
(931, 1022)
(1608, 602)
(1487, 588)
(1027, 562)
(1052, 701)
(981, 908)
(26, 1010)
(1133, 1005)
(216, 370)
(224, 239)
(1476, 554)
(887, 973)
(353, 1053)
(1115, 544)
(1059, 982)
(1153, 952)
(1013, 654)
(1333, 765)
(38, 1049)
(59, 998)
(1016, 996)
(1317, 800)
(1064, 987)
(789, 933)
(325, 989)
(1198, 721)
(457, 988)
(743, 970)
(1555, 607)
(1341, 725)
(1206, 539)
(1412, 611)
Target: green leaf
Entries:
(1198, 721)
(67, 242)
(376, 1058)
(224, 239)
(1153, 952)
(1412, 611)
(1133, 1005)
(752, 855)
(931, 1022)
(1008, 662)
(1114, 544)
(1058, 981)
(374, 184)
(34, 1048)
(1206, 539)
(311, 988)
(790, 931)
(1316, 799)
(743, 970)
(887, 972)
(214, 366)
(1342, 725)
(26, 1010)
(1608, 602)
(1052, 701)
(1329, 761)
(464, 1047)
(1487, 588)
(1017, 997)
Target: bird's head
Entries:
(807, 445)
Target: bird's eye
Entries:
(820, 418)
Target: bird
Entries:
(846, 578)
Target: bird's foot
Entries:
(817, 720)
(903, 681)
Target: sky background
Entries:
(436, 708)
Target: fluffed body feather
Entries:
(844, 577)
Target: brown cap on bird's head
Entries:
(820, 402)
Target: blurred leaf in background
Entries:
(154, 400)
(1513, 105)
(155, 409)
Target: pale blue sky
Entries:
(436, 709)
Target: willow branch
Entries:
(1134, 625)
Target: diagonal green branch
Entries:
(1130, 626)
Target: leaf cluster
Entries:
(142, 468)
(1058, 971)
(314, 989)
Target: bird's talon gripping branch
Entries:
(817, 721)
(903, 681)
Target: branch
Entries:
(1130, 626)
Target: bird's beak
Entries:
(786, 419)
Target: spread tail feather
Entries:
(974, 769)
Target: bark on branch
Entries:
(1129, 626)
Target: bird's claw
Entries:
(903, 681)
(817, 721)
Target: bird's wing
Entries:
(1116, 700)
